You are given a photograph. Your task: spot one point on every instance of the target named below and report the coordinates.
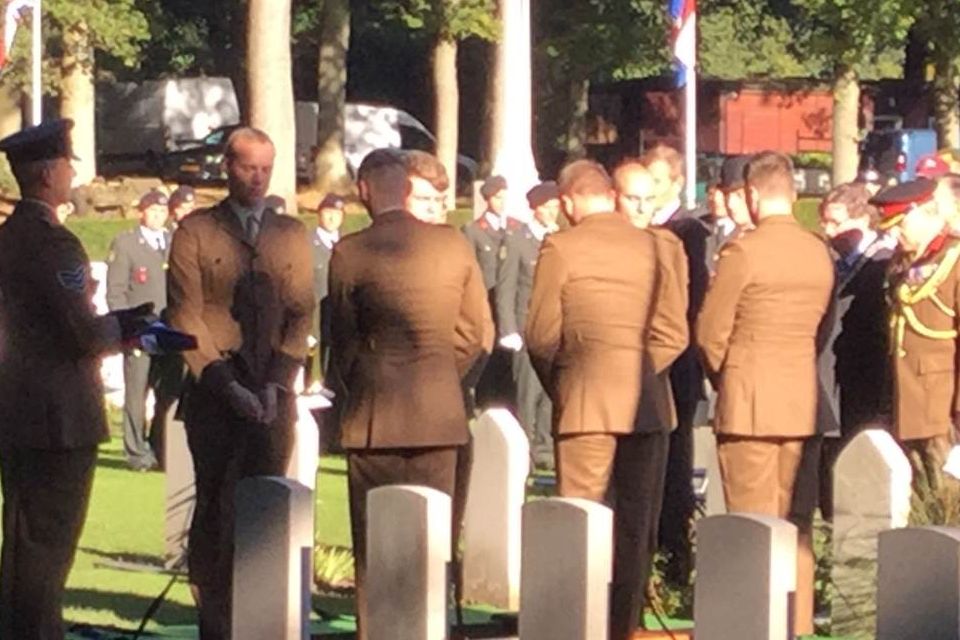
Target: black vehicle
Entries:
(198, 161)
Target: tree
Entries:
(855, 39)
(445, 23)
(270, 82)
(937, 25)
(330, 162)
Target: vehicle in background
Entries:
(138, 124)
(894, 153)
(199, 161)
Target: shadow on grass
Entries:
(129, 607)
(146, 559)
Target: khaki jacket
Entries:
(250, 304)
(604, 313)
(926, 304)
(409, 318)
(759, 327)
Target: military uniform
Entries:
(758, 332)
(137, 273)
(512, 292)
(249, 301)
(322, 252)
(409, 319)
(607, 315)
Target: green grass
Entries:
(807, 213)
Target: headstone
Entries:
(706, 462)
(918, 587)
(408, 548)
(871, 492)
(306, 446)
(492, 524)
(181, 495)
(566, 569)
(746, 577)
(272, 565)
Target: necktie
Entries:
(253, 228)
(160, 245)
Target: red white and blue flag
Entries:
(683, 17)
(13, 12)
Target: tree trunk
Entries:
(447, 108)
(11, 109)
(495, 111)
(78, 99)
(270, 77)
(330, 163)
(577, 125)
(846, 133)
(945, 102)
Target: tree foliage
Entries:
(445, 19)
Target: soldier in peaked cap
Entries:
(923, 287)
(52, 415)
(514, 284)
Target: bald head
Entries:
(382, 181)
(636, 197)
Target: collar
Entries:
(538, 230)
(936, 246)
(243, 212)
(865, 243)
(496, 222)
(153, 236)
(328, 238)
(726, 226)
(50, 213)
(663, 216)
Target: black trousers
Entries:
(141, 372)
(226, 449)
(679, 501)
(45, 499)
(445, 469)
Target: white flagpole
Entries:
(36, 110)
(690, 127)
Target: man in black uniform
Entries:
(329, 219)
(732, 191)
(514, 283)
(52, 415)
(136, 274)
(486, 234)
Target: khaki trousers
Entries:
(777, 477)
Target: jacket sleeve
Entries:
(185, 300)
(669, 333)
(545, 316)
(343, 325)
(299, 299)
(474, 331)
(715, 324)
(118, 276)
(508, 275)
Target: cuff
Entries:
(283, 369)
(217, 375)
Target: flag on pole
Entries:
(13, 13)
(683, 16)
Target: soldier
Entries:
(329, 219)
(181, 203)
(923, 291)
(636, 200)
(514, 282)
(758, 332)
(595, 332)
(404, 333)
(52, 416)
(854, 367)
(686, 375)
(137, 274)
(732, 190)
(241, 280)
(428, 184)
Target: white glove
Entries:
(513, 342)
(311, 342)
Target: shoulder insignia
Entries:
(73, 279)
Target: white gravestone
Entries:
(871, 488)
(566, 568)
(272, 564)
(746, 577)
(492, 524)
(181, 492)
(306, 441)
(918, 586)
(408, 550)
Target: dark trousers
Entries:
(534, 410)
(679, 501)
(45, 498)
(442, 468)
(141, 372)
(495, 387)
(627, 473)
(225, 449)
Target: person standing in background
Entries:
(330, 213)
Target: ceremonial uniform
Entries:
(605, 315)
(758, 333)
(409, 319)
(513, 287)
(136, 274)
(322, 242)
(248, 298)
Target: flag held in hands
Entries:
(683, 17)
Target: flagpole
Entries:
(36, 102)
(690, 126)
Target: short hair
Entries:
(771, 173)
(626, 165)
(585, 178)
(855, 197)
(661, 152)
(427, 166)
(244, 134)
(29, 174)
(384, 171)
